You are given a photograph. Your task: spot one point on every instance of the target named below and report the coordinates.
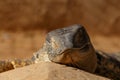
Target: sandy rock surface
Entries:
(48, 71)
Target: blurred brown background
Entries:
(24, 23)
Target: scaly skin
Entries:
(108, 65)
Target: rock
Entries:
(48, 71)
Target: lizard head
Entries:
(69, 45)
(61, 40)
